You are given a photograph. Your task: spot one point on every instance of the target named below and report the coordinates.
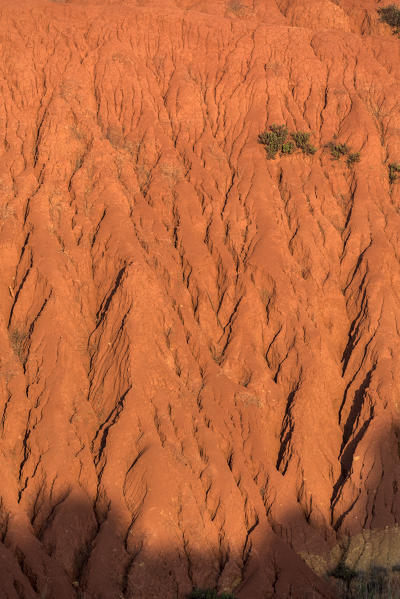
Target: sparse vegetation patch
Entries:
(288, 147)
(391, 16)
(339, 150)
(394, 171)
(353, 157)
(376, 583)
(343, 572)
(302, 141)
(17, 340)
(273, 140)
(277, 140)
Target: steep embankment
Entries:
(199, 376)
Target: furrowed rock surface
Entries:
(199, 347)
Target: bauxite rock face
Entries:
(199, 347)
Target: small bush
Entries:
(288, 147)
(276, 140)
(281, 132)
(353, 157)
(273, 139)
(335, 153)
(338, 150)
(394, 170)
(310, 149)
(391, 16)
(396, 568)
(209, 594)
(302, 141)
(343, 572)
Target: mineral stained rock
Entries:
(199, 347)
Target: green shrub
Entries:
(353, 157)
(335, 153)
(288, 147)
(343, 572)
(276, 140)
(302, 141)
(281, 132)
(270, 142)
(209, 594)
(391, 16)
(273, 139)
(338, 150)
(394, 169)
(310, 149)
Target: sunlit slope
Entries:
(199, 365)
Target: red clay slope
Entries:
(199, 375)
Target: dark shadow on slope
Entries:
(102, 567)
(80, 553)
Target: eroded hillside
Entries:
(199, 367)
